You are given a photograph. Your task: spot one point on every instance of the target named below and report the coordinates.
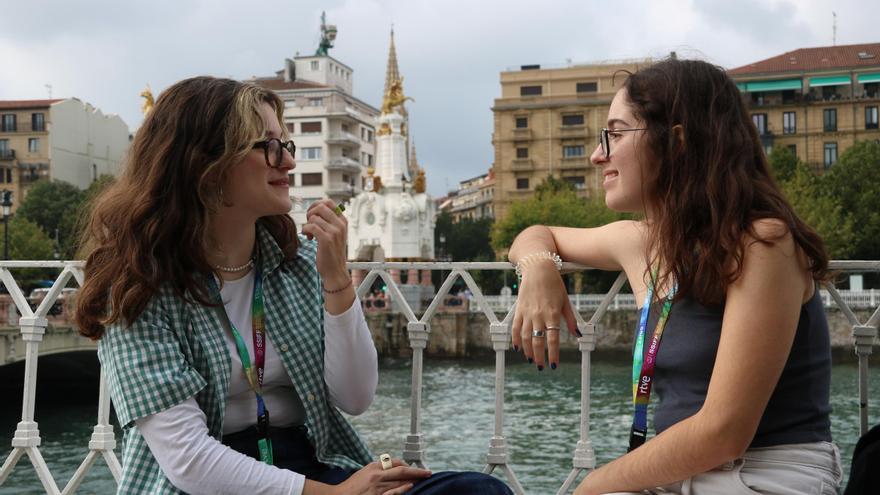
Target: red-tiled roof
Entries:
(819, 58)
(23, 104)
(279, 84)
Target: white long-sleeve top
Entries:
(197, 463)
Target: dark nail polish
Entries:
(540, 367)
(552, 366)
(578, 332)
(530, 360)
(516, 348)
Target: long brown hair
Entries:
(149, 229)
(708, 180)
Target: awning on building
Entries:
(816, 82)
(778, 85)
(869, 78)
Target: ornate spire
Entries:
(392, 72)
(413, 162)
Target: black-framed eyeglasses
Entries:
(274, 150)
(606, 144)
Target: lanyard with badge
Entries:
(643, 363)
(255, 373)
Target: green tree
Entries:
(783, 163)
(822, 210)
(855, 181)
(53, 205)
(467, 240)
(28, 242)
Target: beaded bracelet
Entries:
(334, 291)
(540, 255)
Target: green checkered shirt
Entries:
(176, 350)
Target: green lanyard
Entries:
(255, 373)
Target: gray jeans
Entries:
(796, 469)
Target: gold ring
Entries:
(552, 328)
(385, 459)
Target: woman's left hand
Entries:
(331, 230)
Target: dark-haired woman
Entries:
(213, 313)
(732, 343)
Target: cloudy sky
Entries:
(450, 52)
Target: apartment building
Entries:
(333, 130)
(474, 198)
(547, 122)
(61, 139)
(815, 101)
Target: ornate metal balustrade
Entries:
(33, 324)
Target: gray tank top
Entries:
(798, 411)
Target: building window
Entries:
(7, 124)
(573, 151)
(793, 149)
(315, 179)
(522, 183)
(522, 152)
(315, 65)
(830, 154)
(530, 90)
(760, 120)
(290, 128)
(310, 153)
(789, 122)
(829, 119)
(522, 122)
(38, 122)
(575, 119)
(587, 87)
(33, 145)
(369, 160)
(578, 182)
(4, 146)
(871, 118)
(369, 136)
(316, 102)
(310, 127)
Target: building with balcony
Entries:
(474, 198)
(63, 139)
(334, 131)
(547, 122)
(815, 101)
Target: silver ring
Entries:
(537, 334)
(385, 459)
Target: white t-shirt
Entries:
(197, 463)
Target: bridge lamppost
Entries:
(7, 207)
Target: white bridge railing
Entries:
(33, 325)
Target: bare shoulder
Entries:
(771, 256)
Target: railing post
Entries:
(584, 456)
(414, 449)
(863, 339)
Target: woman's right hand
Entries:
(541, 303)
(373, 480)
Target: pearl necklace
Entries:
(233, 269)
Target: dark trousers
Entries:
(292, 450)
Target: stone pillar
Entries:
(395, 275)
(426, 277)
(412, 277)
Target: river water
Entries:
(541, 421)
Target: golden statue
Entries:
(419, 182)
(385, 130)
(147, 95)
(394, 97)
